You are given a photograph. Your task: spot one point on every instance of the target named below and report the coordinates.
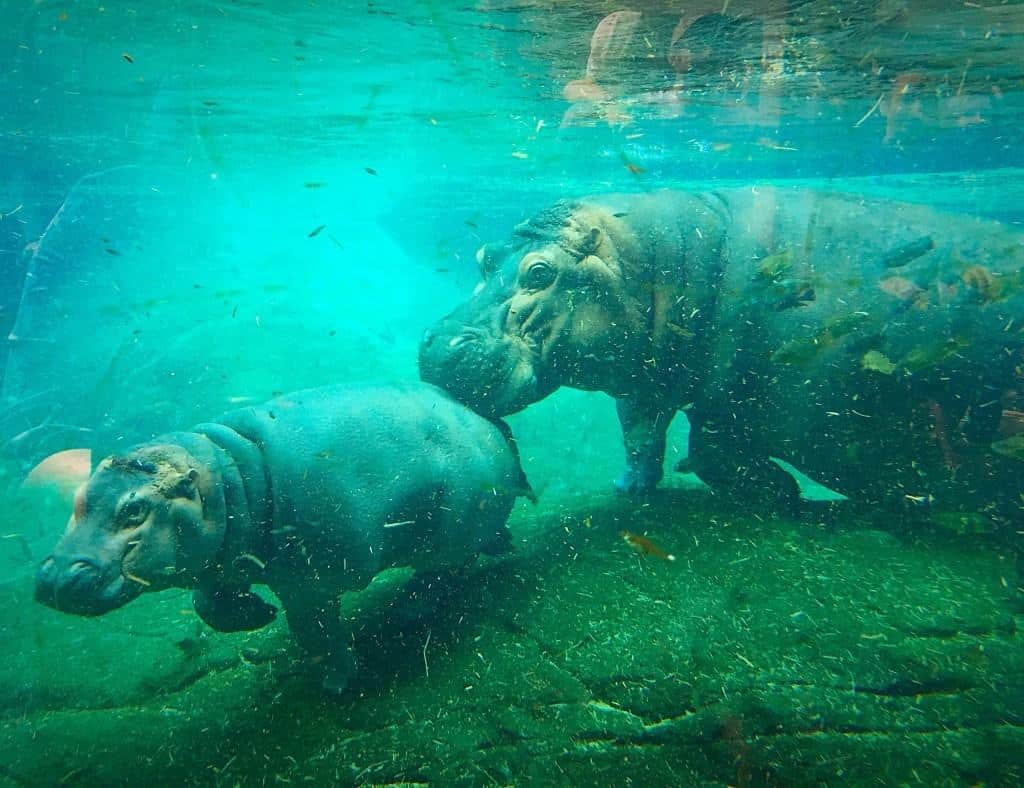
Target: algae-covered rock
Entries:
(767, 652)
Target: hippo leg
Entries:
(644, 426)
(727, 464)
(232, 609)
(429, 593)
(315, 621)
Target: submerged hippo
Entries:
(872, 344)
(311, 494)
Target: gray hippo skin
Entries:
(312, 494)
(873, 344)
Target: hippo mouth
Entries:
(494, 375)
(80, 586)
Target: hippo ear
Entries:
(488, 257)
(591, 242)
(185, 487)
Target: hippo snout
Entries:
(60, 579)
(450, 351)
(446, 346)
(491, 373)
(77, 584)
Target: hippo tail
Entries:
(523, 489)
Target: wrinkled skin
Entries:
(312, 494)
(133, 529)
(872, 344)
(544, 316)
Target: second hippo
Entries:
(312, 494)
(875, 345)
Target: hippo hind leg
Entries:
(749, 480)
(315, 621)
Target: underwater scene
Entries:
(512, 392)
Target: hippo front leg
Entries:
(316, 623)
(232, 609)
(644, 426)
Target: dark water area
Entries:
(205, 206)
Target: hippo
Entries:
(874, 345)
(311, 494)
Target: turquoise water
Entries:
(206, 204)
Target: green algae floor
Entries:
(768, 652)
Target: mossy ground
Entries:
(769, 652)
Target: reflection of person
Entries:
(611, 47)
(635, 60)
(715, 44)
(648, 62)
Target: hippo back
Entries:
(342, 457)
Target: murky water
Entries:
(207, 205)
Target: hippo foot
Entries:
(637, 481)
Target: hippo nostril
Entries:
(58, 577)
(468, 335)
(79, 566)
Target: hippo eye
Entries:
(134, 512)
(538, 276)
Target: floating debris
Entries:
(1011, 422)
(941, 435)
(870, 112)
(1010, 447)
(929, 355)
(252, 559)
(775, 265)
(985, 286)
(766, 142)
(900, 287)
(874, 361)
(963, 523)
(645, 546)
(910, 252)
(793, 293)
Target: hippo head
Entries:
(139, 524)
(553, 308)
